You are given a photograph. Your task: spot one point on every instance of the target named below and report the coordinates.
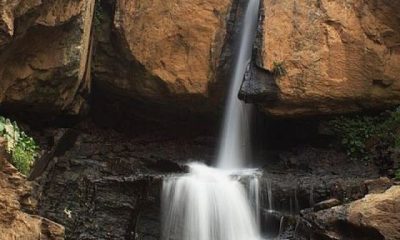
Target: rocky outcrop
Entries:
(329, 56)
(111, 184)
(15, 223)
(332, 57)
(44, 55)
(157, 51)
(376, 216)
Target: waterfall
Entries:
(234, 144)
(207, 204)
(269, 195)
(212, 203)
(254, 195)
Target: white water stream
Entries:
(211, 203)
(234, 146)
(207, 204)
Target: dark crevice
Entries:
(350, 231)
(259, 84)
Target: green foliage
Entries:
(279, 69)
(353, 133)
(397, 175)
(359, 134)
(22, 148)
(98, 17)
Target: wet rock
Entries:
(258, 85)
(115, 195)
(307, 175)
(64, 139)
(379, 185)
(166, 166)
(373, 217)
(326, 204)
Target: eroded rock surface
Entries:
(44, 55)
(332, 57)
(160, 52)
(110, 183)
(15, 223)
(336, 56)
(376, 216)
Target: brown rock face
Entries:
(170, 48)
(339, 56)
(334, 56)
(14, 222)
(44, 49)
(374, 217)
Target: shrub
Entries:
(353, 134)
(360, 136)
(397, 175)
(22, 148)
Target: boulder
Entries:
(328, 56)
(44, 55)
(376, 216)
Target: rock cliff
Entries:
(178, 43)
(44, 55)
(312, 57)
(164, 54)
(329, 56)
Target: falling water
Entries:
(235, 135)
(312, 196)
(296, 202)
(211, 203)
(206, 204)
(254, 195)
(269, 194)
(281, 225)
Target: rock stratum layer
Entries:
(335, 56)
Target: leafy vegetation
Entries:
(98, 17)
(353, 133)
(278, 69)
(22, 148)
(397, 175)
(363, 137)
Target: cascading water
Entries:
(211, 203)
(207, 204)
(234, 145)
